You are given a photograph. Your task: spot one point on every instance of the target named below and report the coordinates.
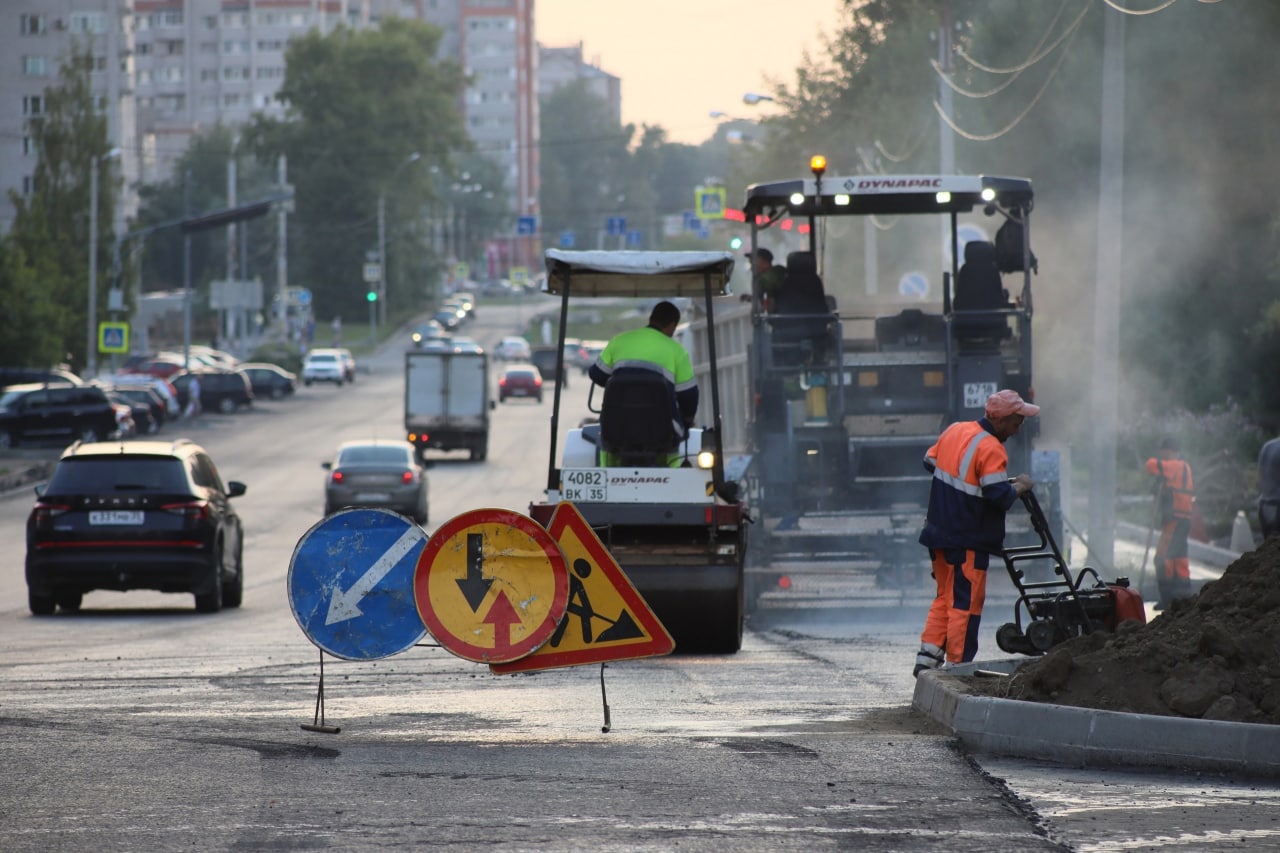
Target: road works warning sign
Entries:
(491, 585)
(605, 618)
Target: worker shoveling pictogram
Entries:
(605, 618)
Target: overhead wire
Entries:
(1053, 73)
(1165, 5)
(911, 148)
(1014, 73)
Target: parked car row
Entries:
(36, 412)
(56, 407)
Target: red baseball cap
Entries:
(1007, 402)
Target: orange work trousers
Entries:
(1173, 567)
(956, 612)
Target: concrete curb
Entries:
(24, 478)
(1084, 737)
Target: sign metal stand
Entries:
(604, 699)
(317, 723)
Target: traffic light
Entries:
(372, 296)
(735, 243)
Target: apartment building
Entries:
(171, 68)
(558, 66)
(35, 37)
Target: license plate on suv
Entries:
(116, 516)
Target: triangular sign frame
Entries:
(564, 519)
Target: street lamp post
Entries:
(92, 323)
(382, 240)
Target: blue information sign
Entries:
(634, 239)
(526, 225)
(566, 239)
(616, 226)
(351, 584)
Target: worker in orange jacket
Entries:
(1175, 491)
(968, 498)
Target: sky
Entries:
(679, 60)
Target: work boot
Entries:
(929, 657)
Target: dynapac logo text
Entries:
(898, 183)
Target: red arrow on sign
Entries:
(501, 616)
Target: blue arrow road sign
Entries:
(351, 584)
(566, 239)
(914, 284)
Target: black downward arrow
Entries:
(475, 586)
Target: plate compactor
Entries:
(1051, 611)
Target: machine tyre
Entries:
(1042, 635)
(1013, 641)
(714, 628)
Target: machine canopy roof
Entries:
(606, 273)
(888, 194)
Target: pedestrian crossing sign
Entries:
(606, 618)
(113, 337)
(710, 202)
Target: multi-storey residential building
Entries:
(558, 66)
(171, 68)
(205, 62)
(35, 36)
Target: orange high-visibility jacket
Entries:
(1178, 486)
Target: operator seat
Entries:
(637, 423)
(979, 289)
(803, 315)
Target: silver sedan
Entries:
(381, 474)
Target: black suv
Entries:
(141, 515)
(44, 375)
(550, 364)
(35, 414)
(220, 390)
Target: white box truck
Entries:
(447, 401)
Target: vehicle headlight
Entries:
(706, 459)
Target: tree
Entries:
(1199, 181)
(204, 163)
(44, 259)
(359, 105)
(583, 164)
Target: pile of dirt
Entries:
(1214, 656)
